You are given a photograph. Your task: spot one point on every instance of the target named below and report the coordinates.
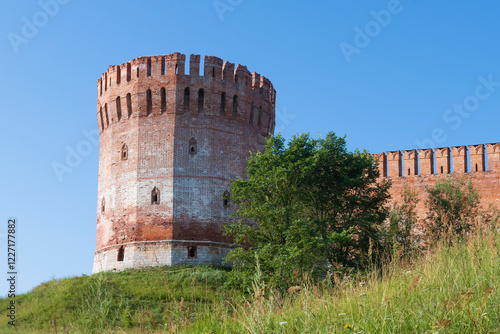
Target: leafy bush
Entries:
(311, 207)
(453, 207)
(402, 222)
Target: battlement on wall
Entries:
(445, 160)
(173, 65)
(157, 86)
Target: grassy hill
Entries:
(450, 290)
(126, 300)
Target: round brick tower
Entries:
(169, 145)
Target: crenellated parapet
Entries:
(381, 158)
(426, 161)
(156, 85)
(477, 158)
(410, 161)
(493, 151)
(445, 160)
(459, 154)
(395, 166)
(419, 170)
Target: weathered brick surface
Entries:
(411, 162)
(394, 163)
(443, 164)
(460, 164)
(477, 158)
(487, 182)
(158, 135)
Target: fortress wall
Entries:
(422, 170)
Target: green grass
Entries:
(449, 290)
(124, 301)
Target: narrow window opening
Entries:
(149, 102)
(100, 90)
(119, 108)
(102, 121)
(103, 205)
(192, 252)
(441, 169)
(129, 72)
(268, 125)
(163, 66)
(186, 99)
(226, 199)
(124, 152)
(137, 71)
(129, 105)
(149, 67)
(192, 146)
(476, 167)
(176, 69)
(110, 81)
(155, 196)
(251, 113)
(259, 120)
(235, 105)
(213, 72)
(106, 112)
(201, 100)
(121, 254)
(163, 100)
(223, 103)
(408, 171)
(105, 81)
(118, 75)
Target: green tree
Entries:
(304, 208)
(403, 219)
(400, 239)
(453, 205)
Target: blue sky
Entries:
(387, 74)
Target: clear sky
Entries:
(387, 74)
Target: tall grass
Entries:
(135, 301)
(451, 289)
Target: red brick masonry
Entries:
(170, 143)
(420, 169)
